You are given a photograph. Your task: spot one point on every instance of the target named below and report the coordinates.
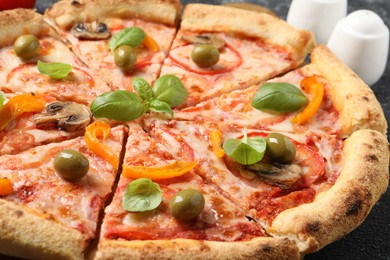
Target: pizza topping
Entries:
(316, 89)
(206, 38)
(71, 165)
(279, 97)
(55, 70)
(125, 57)
(91, 31)
(280, 148)
(131, 36)
(67, 116)
(2, 99)
(175, 169)
(19, 105)
(216, 143)
(5, 187)
(283, 175)
(187, 204)
(150, 43)
(205, 55)
(92, 134)
(247, 150)
(168, 91)
(26, 46)
(142, 195)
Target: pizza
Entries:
(131, 130)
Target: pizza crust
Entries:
(213, 18)
(14, 23)
(258, 248)
(336, 212)
(25, 234)
(68, 12)
(355, 101)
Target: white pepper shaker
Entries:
(318, 16)
(361, 41)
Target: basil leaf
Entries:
(132, 36)
(141, 195)
(247, 150)
(143, 88)
(119, 105)
(2, 99)
(54, 70)
(280, 97)
(161, 106)
(170, 89)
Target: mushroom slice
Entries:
(283, 175)
(67, 116)
(206, 38)
(91, 31)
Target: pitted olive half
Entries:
(205, 55)
(71, 165)
(26, 46)
(280, 148)
(125, 57)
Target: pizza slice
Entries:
(51, 195)
(307, 187)
(339, 102)
(219, 49)
(118, 39)
(34, 60)
(153, 212)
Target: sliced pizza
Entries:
(34, 60)
(219, 49)
(118, 39)
(154, 212)
(56, 191)
(337, 103)
(288, 175)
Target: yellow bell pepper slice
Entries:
(19, 105)
(172, 170)
(5, 187)
(151, 44)
(316, 89)
(93, 133)
(216, 143)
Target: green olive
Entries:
(26, 46)
(125, 57)
(186, 204)
(71, 165)
(205, 55)
(280, 148)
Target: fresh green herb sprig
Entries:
(122, 105)
(55, 70)
(279, 97)
(131, 36)
(141, 195)
(247, 150)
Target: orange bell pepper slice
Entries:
(216, 143)
(93, 133)
(19, 105)
(316, 89)
(151, 44)
(172, 170)
(5, 187)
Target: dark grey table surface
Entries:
(371, 240)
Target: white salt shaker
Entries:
(318, 16)
(361, 41)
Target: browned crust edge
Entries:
(336, 212)
(356, 102)
(25, 234)
(67, 12)
(217, 18)
(258, 248)
(16, 22)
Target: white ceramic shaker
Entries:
(361, 41)
(318, 16)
